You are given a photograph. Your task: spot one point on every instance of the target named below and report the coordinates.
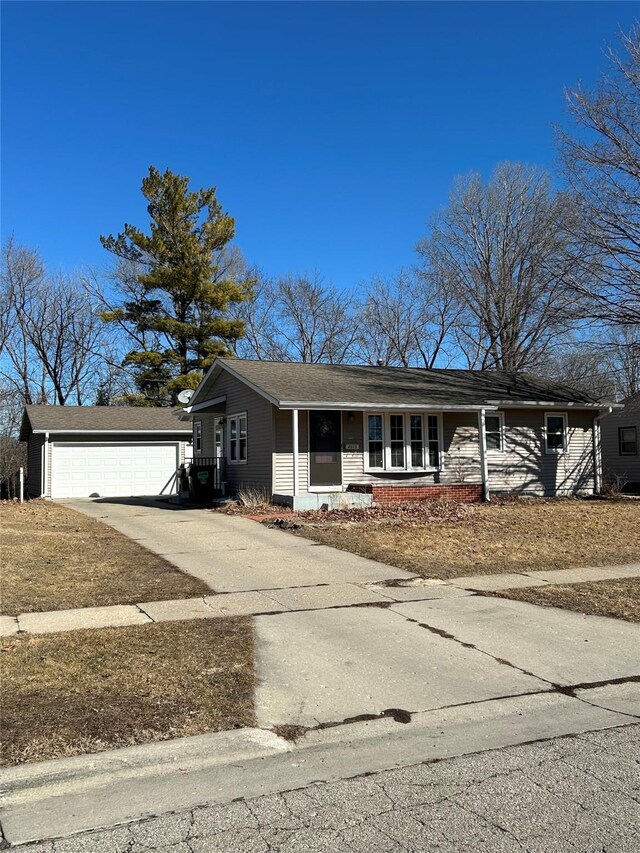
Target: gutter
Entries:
(70, 431)
(379, 407)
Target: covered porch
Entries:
(337, 457)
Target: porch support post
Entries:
(482, 441)
(296, 461)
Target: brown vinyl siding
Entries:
(523, 466)
(615, 466)
(256, 472)
(34, 465)
(460, 450)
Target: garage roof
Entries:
(100, 419)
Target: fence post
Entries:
(21, 485)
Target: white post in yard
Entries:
(21, 485)
(482, 441)
(296, 470)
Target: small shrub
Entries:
(613, 484)
(254, 496)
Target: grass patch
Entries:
(508, 536)
(619, 599)
(56, 559)
(87, 691)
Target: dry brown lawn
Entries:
(617, 598)
(87, 691)
(54, 558)
(508, 536)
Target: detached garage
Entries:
(103, 451)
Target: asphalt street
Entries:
(578, 794)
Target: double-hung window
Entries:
(197, 436)
(375, 441)
(238, 438)
(396, 442)
(555, 433)
(628, 441)
(401, 442)
(417, 442)
(494, 433)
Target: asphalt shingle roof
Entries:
(115, 418)
(289, 382)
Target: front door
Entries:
(325, 446)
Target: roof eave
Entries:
(84, 431)
(364, 407)
(550, 404)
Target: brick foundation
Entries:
(460, 492)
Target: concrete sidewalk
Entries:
(318, 597)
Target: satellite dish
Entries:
(185, 396)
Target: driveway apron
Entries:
(328, 663)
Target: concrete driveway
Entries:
(326, 663)
(229, 553)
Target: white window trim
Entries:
(237, 416)
(501, 451)
(386, 443)
(565, 433)
(197, 437)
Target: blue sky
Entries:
(332, 130)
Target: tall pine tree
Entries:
(183, 283)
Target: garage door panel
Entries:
(111, 470)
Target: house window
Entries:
(434, 441)
(555, 433)
(396, 443)
(197, 436)
(494, 432)
(401, 442)
(417, 445)
(238, 438)
(628, 441)
(375, 444)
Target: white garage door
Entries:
(112, 470)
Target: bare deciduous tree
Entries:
(405, 321)
(298, 318)
(500, 251)
(51, 333)
(601, 162)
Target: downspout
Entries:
(296, 467)
(597, 451)
(484, 467)
(45, 456)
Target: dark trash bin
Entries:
(203, 478)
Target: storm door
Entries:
(325, 446)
